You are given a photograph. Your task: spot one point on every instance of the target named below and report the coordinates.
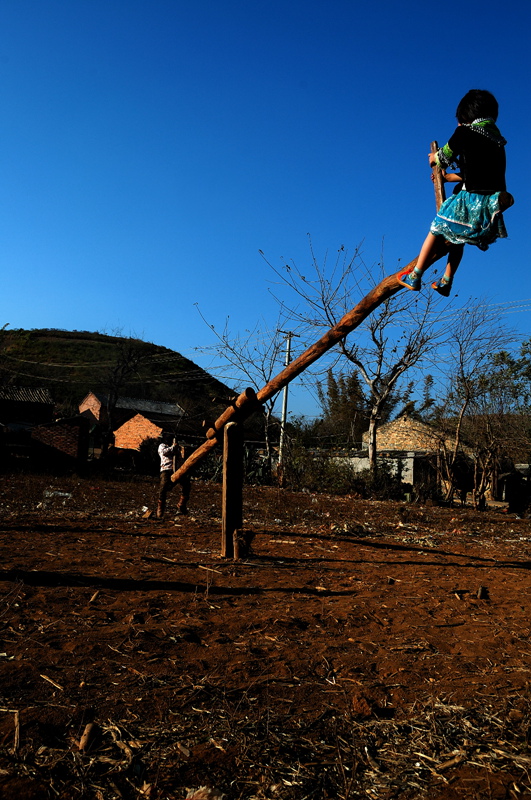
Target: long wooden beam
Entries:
(246, 403)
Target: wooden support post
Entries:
(232, 495)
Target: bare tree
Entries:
(474, 404)
(252, 358)
(129, 357)
(389, 344)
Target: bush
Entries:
(317, 472)
(384, 484)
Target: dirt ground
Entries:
(363, 650)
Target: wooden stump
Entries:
(232, 494)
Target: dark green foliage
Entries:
(382, 484)
(318, 471)
(418, 409)
(315, 471)
(257, 466)
(345, 414)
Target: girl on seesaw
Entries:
(473, 214)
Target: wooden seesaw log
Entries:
(247, 402)
(246, 398)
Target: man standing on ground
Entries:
(169, 450)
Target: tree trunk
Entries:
(373, 426)
(455, 450)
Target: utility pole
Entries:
(289, 336)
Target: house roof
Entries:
(165, 422)
(145, 407)
(24, 394)
(404, 422)
(407, 433)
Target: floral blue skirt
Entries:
(469, 218)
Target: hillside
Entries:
(72, 363)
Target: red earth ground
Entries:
(362, 650)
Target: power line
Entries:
(510, 307)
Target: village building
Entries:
(21, 409)
(95, 408)
(21, 406)
(409, 447)
(416, 448)
(134, 420)
(141, 427)
(407, 434)
(32, 437)
(62, 443)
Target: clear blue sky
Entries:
(150, 149)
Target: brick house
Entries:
(134, 420)
(30, 435)
(132, 433)
(64, 441)
(406, 445)
(21, 408)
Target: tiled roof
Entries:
(145, 407)
(23, 394)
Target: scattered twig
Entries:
(57, 685)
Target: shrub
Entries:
(315, 471)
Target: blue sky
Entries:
(151, 148)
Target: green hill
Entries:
(72, 363)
